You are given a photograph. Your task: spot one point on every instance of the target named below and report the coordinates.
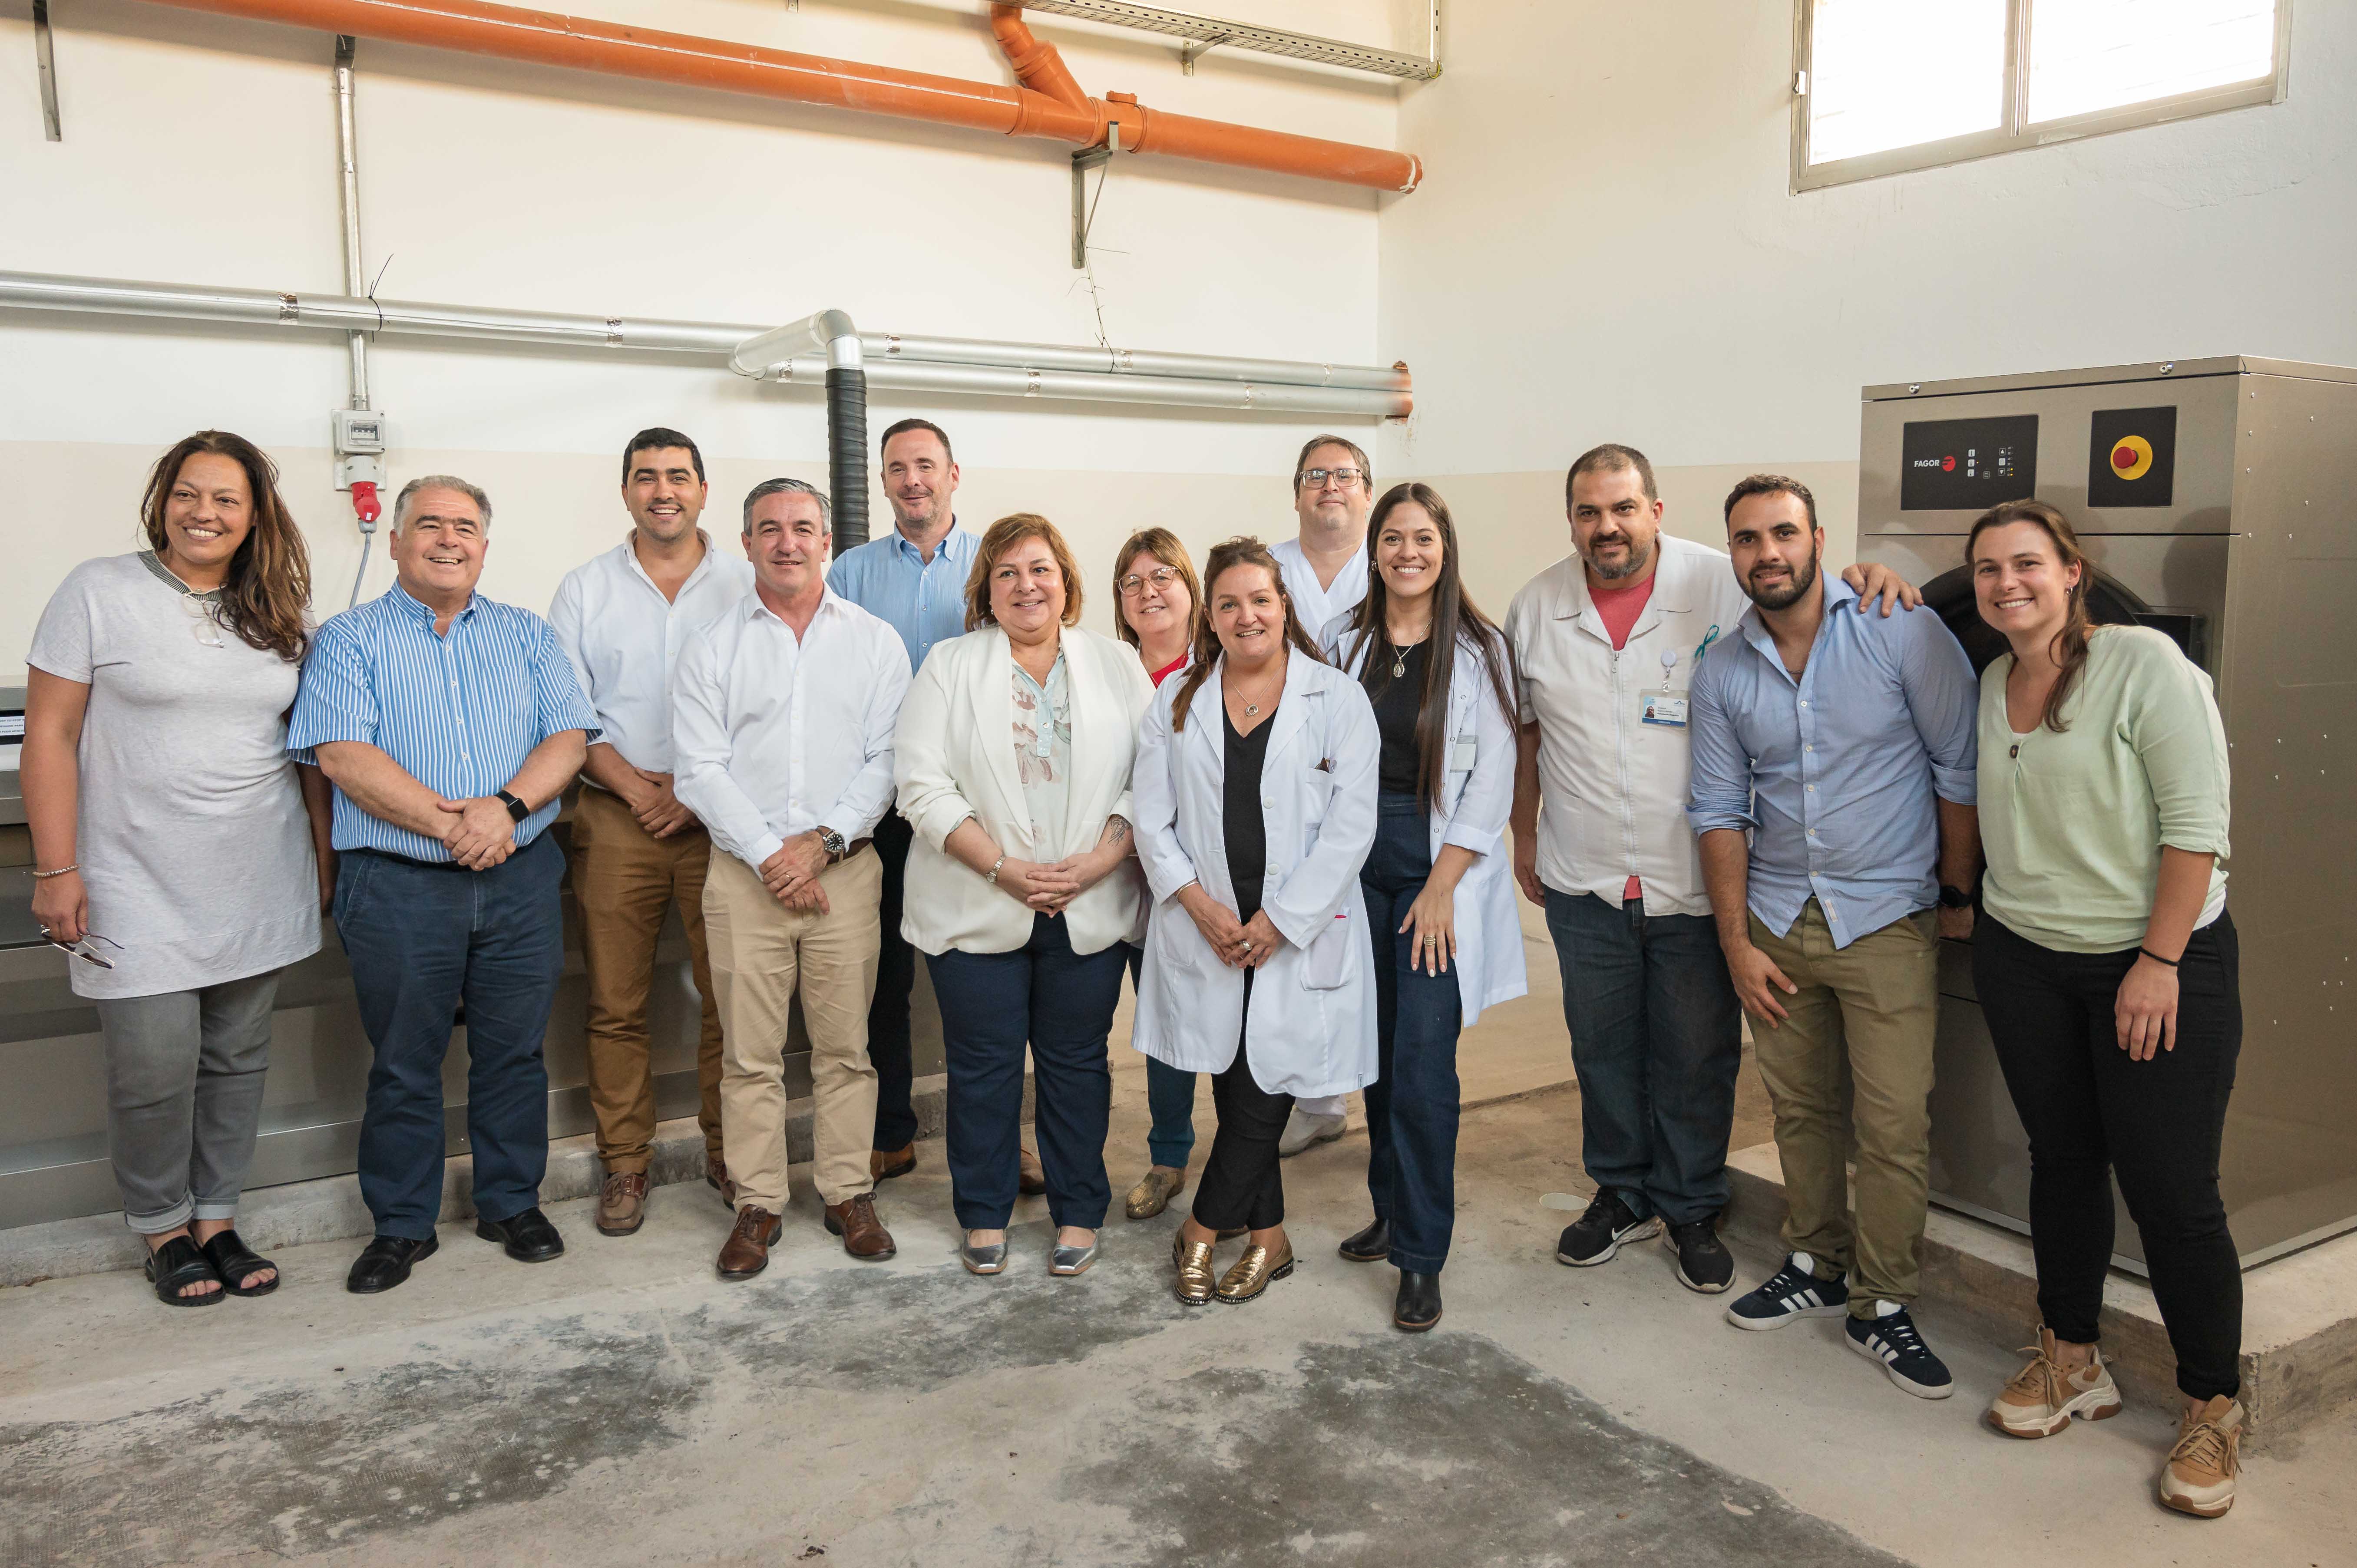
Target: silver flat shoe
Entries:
(1066, 1261)
(990, 1260)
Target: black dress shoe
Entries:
(1418, 1306)
(385, 1261)
(1371, 1245)
(528, 1236)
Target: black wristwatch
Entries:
(516, 808)
(1954, 898)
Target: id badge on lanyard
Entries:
(1665, 706)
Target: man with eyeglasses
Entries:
(449, 725)
(1325, 570)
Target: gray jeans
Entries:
(184, 1073)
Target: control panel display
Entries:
(1967, 465)
(2132, 458)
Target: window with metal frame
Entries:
(1881, 86)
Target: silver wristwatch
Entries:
(832, 842)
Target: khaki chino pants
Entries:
(626, 880)
(762, 952)
(1864, 1021)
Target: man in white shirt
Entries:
(783, 715)
(1325, 571)
(621, 619)
(1606, 643)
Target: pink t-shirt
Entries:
(1621, 607)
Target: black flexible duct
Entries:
(846, 461)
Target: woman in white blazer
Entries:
(1013, 760)
(1440, 896)
(1256, 807)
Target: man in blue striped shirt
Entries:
(449, 725)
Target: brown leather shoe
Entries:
(715, 1176)
(1030, 1180)
(622, 1203)
(883, 1165)
(864, 1236)
(747, 1251)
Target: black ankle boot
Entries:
(1418, 1307)
(1371, 1245)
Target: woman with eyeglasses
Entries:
(1440, 903)
(1158, 603)
(176, 855)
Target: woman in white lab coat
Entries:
(1440, 901)
(1256, 795)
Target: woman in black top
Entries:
(1436, 671)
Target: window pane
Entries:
(2089, 55)
(1890, 73)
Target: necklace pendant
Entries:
(1252, 710)
(1399, 664)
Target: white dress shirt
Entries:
(1314, 606)
(624, 638)
(1612, 766)
(776, 735)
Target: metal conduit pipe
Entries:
(1134, 376)
(548, 38)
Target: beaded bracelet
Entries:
(60, 871)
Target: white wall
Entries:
(202, 149)
(1607, 248)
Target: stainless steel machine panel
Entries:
(2248, 554)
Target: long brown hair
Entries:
(1454, 615)
(1225, 556)
(268, 593)
(1003, 536)
(1164, 546)
(2069, 645)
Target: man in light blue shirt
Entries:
(1843, 746)
(913, 578)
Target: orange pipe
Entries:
(1054, 110)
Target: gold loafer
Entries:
(1193, 1260)
(1252, 1273)
(1153, 1193)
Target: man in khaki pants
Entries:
(784, 708)
(1845, 743)
(638, 853)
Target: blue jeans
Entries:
(1412, 1105)
(1062, 1003)
(1656, 1037)
(422, 940)
(1169, 1098)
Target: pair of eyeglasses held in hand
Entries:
(81, 950)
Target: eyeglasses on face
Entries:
(1135, 583)
(1314, 478)
(82, 951)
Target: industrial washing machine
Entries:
(2217, 500)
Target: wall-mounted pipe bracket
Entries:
(45, 64)
(1189, 53)
(1082, 162)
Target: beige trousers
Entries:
(1862, 1023)
(763, 953)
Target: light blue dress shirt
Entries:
(459, 712)
(1836, 771)
(924, 601)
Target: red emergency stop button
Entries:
(2131, 457)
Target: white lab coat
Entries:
(1477, 797)
(1311, 1031)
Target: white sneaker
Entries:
(1301, 1130)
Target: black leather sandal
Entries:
(176, 1264)
(232, 1259)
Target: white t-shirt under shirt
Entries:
(192, 839)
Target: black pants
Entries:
(896, 975)
(2091, 1111)
(1241, 1184)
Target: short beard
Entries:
(1638, 560)
(1803, 578)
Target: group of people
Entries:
(1293, 801)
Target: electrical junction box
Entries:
(360, 445)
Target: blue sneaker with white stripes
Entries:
(1792, 1293)
(1890, 1337)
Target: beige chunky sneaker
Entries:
(2044, 1395)
(2200, 1477)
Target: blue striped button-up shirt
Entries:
(459, 712)
(1836, 771)
(922, 600)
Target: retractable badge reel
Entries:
(1665, 709)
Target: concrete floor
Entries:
(622, 1405)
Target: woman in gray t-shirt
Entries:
(176, 854)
